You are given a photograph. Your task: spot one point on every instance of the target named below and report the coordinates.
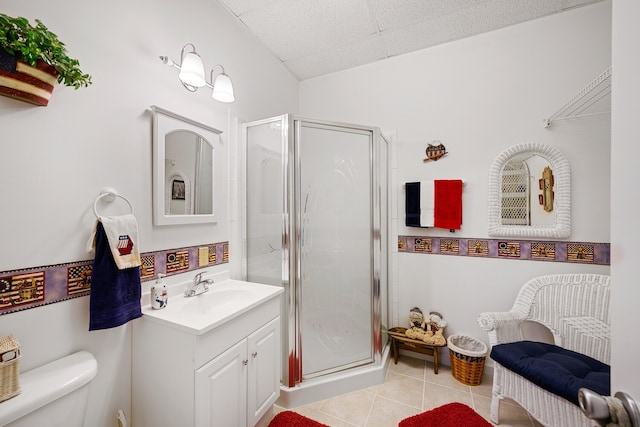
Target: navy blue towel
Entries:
(115, 294)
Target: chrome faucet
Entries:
(199, 286)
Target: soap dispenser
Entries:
(158, 293)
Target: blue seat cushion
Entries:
(555, 369)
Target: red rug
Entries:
(293, 419)
(449, 415)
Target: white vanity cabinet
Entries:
(228, 375)
(240, 385)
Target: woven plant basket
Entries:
(21, 81)
(467, 356)
(9, 369)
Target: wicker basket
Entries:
(467, 358)
(9, 367)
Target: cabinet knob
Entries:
(254, 354)
(245, 362)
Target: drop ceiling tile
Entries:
(294, 28)
(398, 13)
(466, 22)
(351, 55)
(503, 13)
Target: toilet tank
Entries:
(54, 394)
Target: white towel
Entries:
(427, 203)
(122, 234)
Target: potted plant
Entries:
(33, 59)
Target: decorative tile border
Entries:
(531, 250)
(34, 287)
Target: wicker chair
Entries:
(575, 308)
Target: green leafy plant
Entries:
(30, 43)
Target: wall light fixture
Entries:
(192, 75)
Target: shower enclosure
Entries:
(316, 213)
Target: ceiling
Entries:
(317, 37)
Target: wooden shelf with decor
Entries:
(399, 341)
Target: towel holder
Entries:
(109, 195)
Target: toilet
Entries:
(54, 394)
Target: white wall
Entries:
(55, 160)
(479, 96)
(625, 201)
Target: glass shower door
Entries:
(264, 202)
(334, 233)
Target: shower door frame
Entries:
(291, 235)
(292, 177)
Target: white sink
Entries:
(216, 300)
(223, 302)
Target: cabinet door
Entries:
(221, 389)
(264, 370)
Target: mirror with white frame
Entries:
(187, 166)
(530, 193)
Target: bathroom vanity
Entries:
(208, 360)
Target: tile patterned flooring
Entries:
(410, 388)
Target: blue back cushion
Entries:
(558, 370)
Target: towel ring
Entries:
(109, 195)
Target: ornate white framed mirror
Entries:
(530, 193)
(188, 163)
